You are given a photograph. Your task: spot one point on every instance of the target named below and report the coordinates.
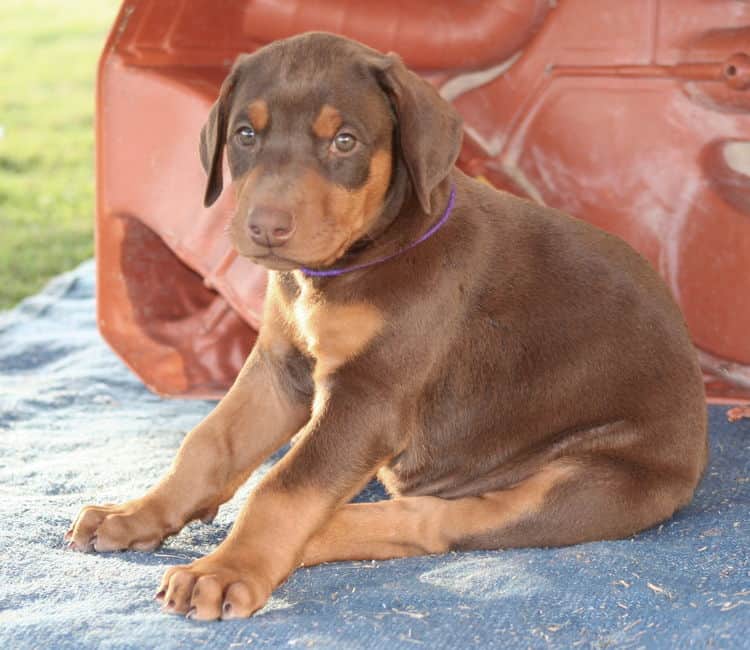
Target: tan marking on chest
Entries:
(334, 333)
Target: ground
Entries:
(48, 55)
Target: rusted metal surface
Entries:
(632, 115)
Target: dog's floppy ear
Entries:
(429, 128)
(213, 139)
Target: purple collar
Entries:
(327, 273)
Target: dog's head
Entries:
(315, 127)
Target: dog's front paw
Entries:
(140, 525)
(218, 586)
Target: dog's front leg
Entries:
(267, 405)
(341, 447)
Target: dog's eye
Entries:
(344, 142)
(245, 135)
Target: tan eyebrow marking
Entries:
(257, 111)
(328, 122)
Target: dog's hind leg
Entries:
(568, 501)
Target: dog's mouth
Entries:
(275, 262)
(274, 258)
(286, 257)
(265, 256)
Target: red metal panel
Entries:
(632, 115)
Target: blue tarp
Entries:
(76, 427)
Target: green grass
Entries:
(48, 55)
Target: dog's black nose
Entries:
(270, 226)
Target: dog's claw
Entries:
(160, 594)
(191, 613)
(68, 535)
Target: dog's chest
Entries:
(333, 333)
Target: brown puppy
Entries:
(518, 378)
